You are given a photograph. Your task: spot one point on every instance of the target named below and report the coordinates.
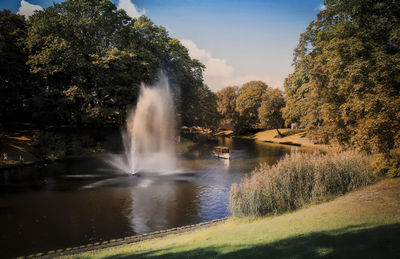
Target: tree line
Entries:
(81, 62)
(345, 88)
(251, 107)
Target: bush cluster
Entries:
(387, 164)
(299, 179)
(54, 145)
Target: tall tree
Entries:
(226, 104)
(91, 59)
(270, 113)
(66, 42)
(207, 115)
(346, 76)
(247, 104)
(13, 71)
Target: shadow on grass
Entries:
(349, 242)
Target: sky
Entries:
(237, 40)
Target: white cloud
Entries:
(194, 51)
(28, 9)
(216, 70)
(217, 67)
(130, 8)
(219, 74)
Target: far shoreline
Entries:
(297, 139)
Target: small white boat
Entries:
(222, 152)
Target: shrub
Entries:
(299, 179)
(78, 145)
(387, 164)
(51, 145)
(55, 145)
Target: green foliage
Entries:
(387, 164)
(51, 145)
(240, 106)
(269, 113)
(81, 62)
(299, 179)
(296, 90)
(207, 115)
(226, 102)
(247, 104)
(226, 106)
(13, 71)
(344, 89)
(74, 48)
(58, 145)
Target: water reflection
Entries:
(40, 220)
(178, 205)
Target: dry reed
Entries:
(299, 179)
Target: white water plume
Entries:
(149, 137)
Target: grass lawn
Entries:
(361, 224)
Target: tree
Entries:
(346, 75)
(207, 115)
(270, 113)
(247, 104)
(159, 51)
(68, 43)
(91, 59)
(13, 71)
(296, 89)
(226, 104)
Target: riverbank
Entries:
(364, 223)
(289, 137)
(24, 148)
(17, 147)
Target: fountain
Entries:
(150, 132)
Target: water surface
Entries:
(82, 201)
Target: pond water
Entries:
(80, 201)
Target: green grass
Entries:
(361, 224)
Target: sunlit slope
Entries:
(365, 223)
(289, 137)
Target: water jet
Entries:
(149, 135)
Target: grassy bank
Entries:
(364, 223)
(289, 137)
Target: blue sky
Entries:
(237, 40)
